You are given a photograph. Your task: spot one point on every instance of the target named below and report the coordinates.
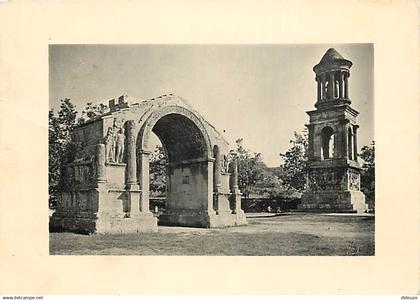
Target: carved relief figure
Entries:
(354, 181)
(120, 142)
(109, 145)
(325, 180)
(117, 123)
(114, 144)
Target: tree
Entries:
(59, 129)
(367, 180)
(91, 112)
(158, 172)
(250, 168)
(54, 157)
(270, 185)
(295, 162)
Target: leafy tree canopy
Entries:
(92, 111)
(251, 168)
(367, 154)
(59, 129)
(158, 172)
(295, 162)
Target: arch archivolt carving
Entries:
(155, 116)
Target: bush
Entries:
(277, 205)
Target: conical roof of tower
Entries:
(332, 58)
(331, 55)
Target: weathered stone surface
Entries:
(341, 201)
(106, 180)
(140, 223)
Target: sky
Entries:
(256, 92)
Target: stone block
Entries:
(341, 201)
(185, 217)
(144, 222)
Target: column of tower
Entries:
(332, 85)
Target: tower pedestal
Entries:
(333, 189)
(327, 201)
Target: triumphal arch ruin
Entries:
(105, 186)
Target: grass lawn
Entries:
(285, 234)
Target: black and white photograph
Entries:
(189, 148)
(245, 150)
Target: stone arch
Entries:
(187, 145)
(116, 192)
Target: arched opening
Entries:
(157, 175)
(325, 91)
(184, 151)
(337, 89)
(327, 143)
(181, 138)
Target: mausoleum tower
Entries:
(333, 174)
